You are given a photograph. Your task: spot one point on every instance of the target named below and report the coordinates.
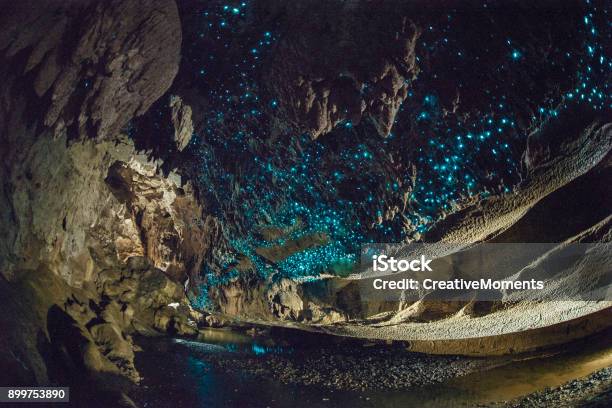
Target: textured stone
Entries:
(565, 171)
(181, 119)
(331, 67)
(97, 240)
(94, 64)
(100, 241)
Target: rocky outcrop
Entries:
(149, 302)
(123, 238)
(111, 69)
(283, 301)
(563, 178)
(181, 120)
(53, 331)
(98, 242)
(92, 65)
(99, 203)
(163, 221)
(336, 65)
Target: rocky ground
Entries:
(326, 371)
(355, 368)
(592, 391)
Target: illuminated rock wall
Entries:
(333, 125)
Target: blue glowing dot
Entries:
(299, 188)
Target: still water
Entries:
(179, 373)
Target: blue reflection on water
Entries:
(244, 348)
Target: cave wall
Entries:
(64, 93)
(103, 219)
(98, 241)
(341, 74)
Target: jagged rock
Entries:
(163, 221)
(94, 205)
(88, 224)
(112, 344)
(148, 299)
(181, 119)
(98, 64)
(112, 68)
(331, 67)
(136, 298)
(284, 300)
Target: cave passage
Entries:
(489, 76)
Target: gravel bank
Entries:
(588, 392)
(362, 368)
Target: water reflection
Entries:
(221, 340)
(183, 373)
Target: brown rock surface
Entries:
(93, 65)
(331, 66)
(181, 119)
(97, 241)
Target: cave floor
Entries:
(247, 369)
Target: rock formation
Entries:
(568, 178)
(323, 77)
(98, 242)
(150, 170)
